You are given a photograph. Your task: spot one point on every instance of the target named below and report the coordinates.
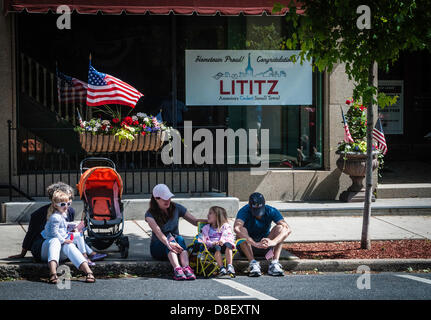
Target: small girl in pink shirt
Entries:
(218, 237)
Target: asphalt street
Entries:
(328, 286)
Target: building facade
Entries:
(149, 52)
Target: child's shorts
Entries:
(214, 249)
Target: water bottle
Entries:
(70, 236)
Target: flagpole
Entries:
(89, 111)
(79, 116)
(58, 90)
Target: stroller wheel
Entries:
(124, 252)
(123, 245)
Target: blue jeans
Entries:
(159, 250)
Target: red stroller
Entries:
(101, 188)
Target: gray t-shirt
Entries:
(171, 226)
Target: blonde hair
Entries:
(221, 215)
(58, 196)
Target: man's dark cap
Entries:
(257, 204)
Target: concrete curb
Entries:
(152, 268)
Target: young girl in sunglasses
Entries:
(57, 226)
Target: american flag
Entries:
(347, 136)
(70, 89)
(379, 136)
(106, 89)
(269, 254)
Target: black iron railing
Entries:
(48, 155)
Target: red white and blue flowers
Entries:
(127, 127)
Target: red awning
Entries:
(162, 7)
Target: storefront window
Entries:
(295, 139)
(149, 53)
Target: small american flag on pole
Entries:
(70, 89)
(106, 89)
(269, 254)
(379, 136)
(347, 136)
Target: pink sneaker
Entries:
(179, 274)
(189, 273)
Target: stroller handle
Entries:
(102, 162)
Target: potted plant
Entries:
(139, 132)
(353, 151)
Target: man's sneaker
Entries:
(222, 272)
(188, 272)
(275, 269)
(179, 274)
(254, 269)
(230, 270)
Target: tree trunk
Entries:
(365, 239)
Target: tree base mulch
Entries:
(392, 249)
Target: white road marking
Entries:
(251, 293)
(235, 297)
(414, 278)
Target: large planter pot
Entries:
(108, 143)
(354, 165)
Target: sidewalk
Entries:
(305, 229)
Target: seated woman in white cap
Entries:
(166, 243)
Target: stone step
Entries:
(404, 190)
(134, 209)
(399, 206)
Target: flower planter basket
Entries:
(108, 143)
(354, 165)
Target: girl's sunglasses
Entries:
(63, 204)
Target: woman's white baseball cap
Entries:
(162, 191)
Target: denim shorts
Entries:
(159, 250)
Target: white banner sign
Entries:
(246, 77)
(392, 117)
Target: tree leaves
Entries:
(328, 34)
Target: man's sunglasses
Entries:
(63, 204)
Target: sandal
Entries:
(89, 278)
(53, 278)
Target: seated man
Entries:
(253, 223)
